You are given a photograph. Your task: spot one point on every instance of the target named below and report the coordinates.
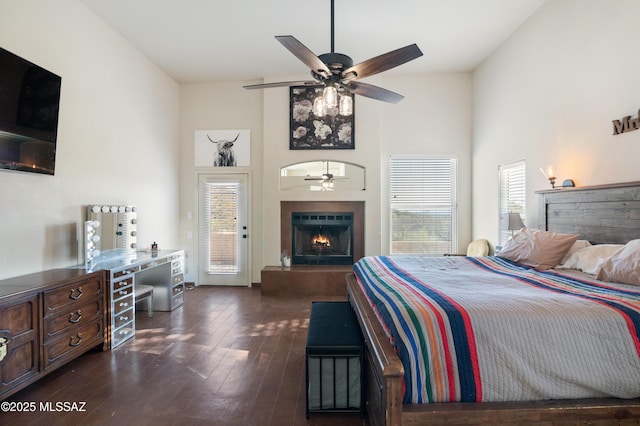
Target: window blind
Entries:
(513, 193)
(221, 228)
(423, 205)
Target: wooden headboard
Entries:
(601, 214)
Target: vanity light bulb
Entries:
(95, 209)
(105, 209)
(95, 238)
(95, 253)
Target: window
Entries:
(221, 228)
(423, 205)
(512, 193)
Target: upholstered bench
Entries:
(334, 359)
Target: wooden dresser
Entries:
(46, 320)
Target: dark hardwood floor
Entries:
(227, 357)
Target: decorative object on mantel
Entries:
(336, 70)
(568, 183)
(550, 173)
(222, 148)
(627, 124)
(309, 131)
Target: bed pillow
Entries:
(623, 266)
(540, 249)
(578, 245)
(590, 259)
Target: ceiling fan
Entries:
(326, 177)
(336, 70)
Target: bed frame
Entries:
(600, 214)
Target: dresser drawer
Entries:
(177, 279)
(128, 271)
(177, 301)
(122, 304)
(73, 343)
(71, 294)
(127, 282)
(122, 292)
(122, 318)
(177, 289)
(20, 353)
(88, 312)
(122, 334)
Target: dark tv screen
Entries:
(29, 106)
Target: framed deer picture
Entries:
(222, 148)
(308, 131)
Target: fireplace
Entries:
(322, 238)
(341, 216)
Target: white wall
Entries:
(218, 106)
(549, 94)
(433, 119)
(117, 137)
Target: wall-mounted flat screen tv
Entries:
(29, 105)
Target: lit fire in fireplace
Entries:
(320, 241)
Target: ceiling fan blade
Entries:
(283, 84)
(383, 62)
(373, 92)
(303, 53)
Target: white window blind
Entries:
(221, 228)
(512, 193)
(423, 205)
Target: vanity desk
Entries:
(125, 269)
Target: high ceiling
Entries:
(207, 40)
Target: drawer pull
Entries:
(124, 318)
(124, 304)
(123, 292)
(77, 341)
(73, 294)
(74, 317)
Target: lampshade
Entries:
(330, 95)
(346, 105)
(511, 222)
(550, 173)
(319, 109)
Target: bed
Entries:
(458, 391)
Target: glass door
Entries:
(223, 231)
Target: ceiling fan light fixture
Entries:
(330, 96)
(319, 109)
(346, 104)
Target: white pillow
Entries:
(623, 266)
(589, 259)
(580, 244)
(540, 249)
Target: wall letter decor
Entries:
(627, 124)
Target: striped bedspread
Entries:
(486, 329)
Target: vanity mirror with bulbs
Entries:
(110, 243)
